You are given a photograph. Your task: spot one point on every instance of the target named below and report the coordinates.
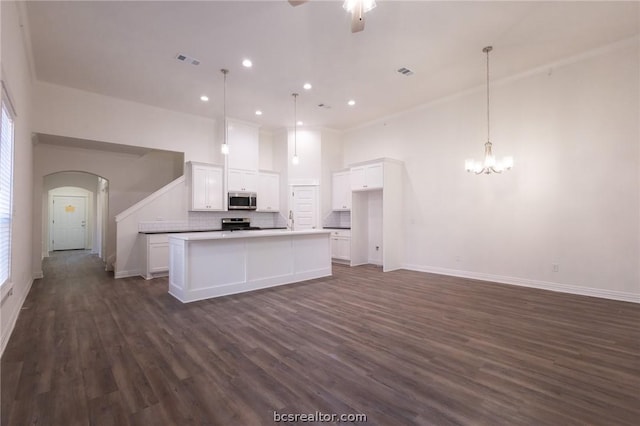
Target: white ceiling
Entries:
(127, 50)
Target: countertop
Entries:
(228, 235)
(196, 230)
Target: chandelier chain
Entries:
(488, 121)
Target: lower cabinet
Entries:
(341, 244)
(156, 256)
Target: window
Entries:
(6, 187)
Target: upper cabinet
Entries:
(366, 177)
(268, 192)
(204, 183)
(243, 139)
(242, 180)
(341, 191)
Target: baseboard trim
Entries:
(524, 282)
(126, 274)
(14, 318)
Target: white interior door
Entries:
(305, 207)
(69, 227)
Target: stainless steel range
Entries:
(237, 224)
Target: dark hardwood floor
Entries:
(403, 348)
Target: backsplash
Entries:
(201, 221)
(338, 220)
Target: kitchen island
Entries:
(211, 264)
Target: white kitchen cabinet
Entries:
(242, 180)
(341, 244)
(366, 177)
(243, 139)
(268, 192)
(205, 185)
(341, 191)
(155, 256)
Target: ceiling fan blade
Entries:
(357, 21)
(297, 2)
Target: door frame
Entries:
(77, 192)
(316, 190)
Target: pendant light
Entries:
(295, 160)
(490, 164)
(225, 147)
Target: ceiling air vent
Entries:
(187, 59)
(405, 71)
(325, 106)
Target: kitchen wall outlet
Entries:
(457, 258)
(555, 267)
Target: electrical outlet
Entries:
(457, 258)
(555, 267)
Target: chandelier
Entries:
(358, 8)
(489, 164)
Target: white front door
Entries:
(69, 223)
(305, 207)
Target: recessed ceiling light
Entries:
(307, 86)
(247, 63)
(299, 123)
(258, 112)
(351, 102)
(204, 98)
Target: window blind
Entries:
(6, 188)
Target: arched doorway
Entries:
(78, 201)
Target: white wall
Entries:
(308, 171)
(571, 199)
(374, 228)
(331, 162)
(64, 111)
(281, 164)
(265, 157)
(16, 75)
(102, 216)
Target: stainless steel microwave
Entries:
(242, 201)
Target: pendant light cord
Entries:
(295, 124)
(224, 103)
